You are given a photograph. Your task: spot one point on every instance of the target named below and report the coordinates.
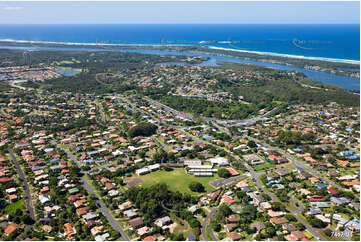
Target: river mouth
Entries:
(346, 82)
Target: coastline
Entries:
(100, 45)
(355, 62)
(325, 72)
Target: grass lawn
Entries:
(345, 171)
(11, 208)
(66, 62)
(332, 238)
(279, 102)
(264, 166)
(208, 233)
(177, 180)
(182, 227)
(90, 182)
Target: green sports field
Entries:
(177, 180)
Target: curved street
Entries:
(210, 227)
(256, 175)
(298, 163)
(207, 221)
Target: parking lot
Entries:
(226, 182)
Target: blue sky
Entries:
(179, 12)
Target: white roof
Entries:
(10, 190)
(101, 237)
(201, 167)
(142, 170)
(219, 160)
(117, 152)
(143, 230)
(202, 170)
(113, 193)
(203, 174)
(347, 177)
(138, 160)
(46, 182)
(266, 205)
(44, 198)
(193, 162)
(155, 166)
(89, 216)
(323, 218)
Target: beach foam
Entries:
(211, 47)
(288, 55)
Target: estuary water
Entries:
(318, 76)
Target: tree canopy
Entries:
(142, 129)
(196, 187)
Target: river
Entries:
(346, 82)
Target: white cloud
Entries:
(9, 8)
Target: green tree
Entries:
(196, 187)
(252, 144)
(142, 129)
(216, 226)
(223, 172)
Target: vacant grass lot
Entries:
(11, 208)
(264, 166)
(177, 180)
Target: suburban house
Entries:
(253, 159)
(219, 161)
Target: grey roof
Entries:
(258, 225)
(36, 168)
(90, 216)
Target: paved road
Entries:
(103, 207)
(105, 210)
(160, 144)
(230, 122)
(251, 121)
(298, 163)
(101, 111)
(207, 222)
(169, 109)
(300, 207)
(256, 175)
(274, 198)
(13, 84)
(29, 203)
(252, 172)
(210, 227)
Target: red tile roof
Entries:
(5, 179)
(333, 191)
(316, 199)
(11, 228)
(213, 195)
(228, 200)
(149, 238)
(232, 171)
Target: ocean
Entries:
(332, 42)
